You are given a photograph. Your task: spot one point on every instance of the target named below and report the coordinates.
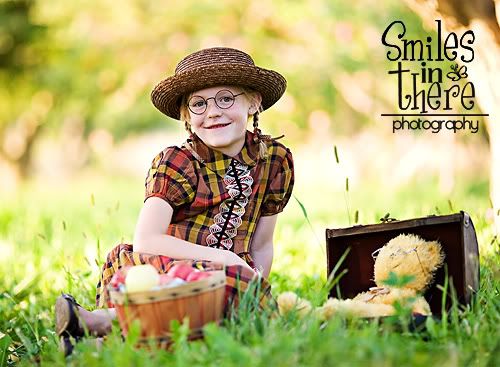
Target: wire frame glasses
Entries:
(224, 99)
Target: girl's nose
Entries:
(212, 109)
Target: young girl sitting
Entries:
(214, 200)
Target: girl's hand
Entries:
(233, 259)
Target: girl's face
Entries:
(222, 129)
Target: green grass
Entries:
(53, 238)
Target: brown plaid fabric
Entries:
(192, 180)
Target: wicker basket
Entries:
(201, 301)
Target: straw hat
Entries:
(216, 66)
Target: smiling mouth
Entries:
(217, 126)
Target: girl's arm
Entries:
(150, 237)
(261, 249)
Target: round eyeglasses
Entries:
(223, 99)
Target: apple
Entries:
(181, 271)
(141, 278)
(119, 277)
(199, 275)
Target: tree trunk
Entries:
(481, 16)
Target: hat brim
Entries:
(167, 95)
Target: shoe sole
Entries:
(63, 315)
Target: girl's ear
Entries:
(256, 103)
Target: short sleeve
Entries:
(281, 183)
(171, 178)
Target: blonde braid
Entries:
(259, 138)
(187, 126)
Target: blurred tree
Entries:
(83, 70)
(20, 58)
(483, 19)
(68, 68)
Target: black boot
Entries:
(67, 322)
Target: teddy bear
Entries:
(406, 256)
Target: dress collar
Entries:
(219, 162)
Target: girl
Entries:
(214, 200)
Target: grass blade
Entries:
(5, 341)
(304, 211)
(336, 154)
(332, 279)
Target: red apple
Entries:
(194, 276)
(119, 277)
(181, 271)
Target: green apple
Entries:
(141, 278)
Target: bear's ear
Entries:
(433, 255)
(431, 258)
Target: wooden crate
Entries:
(455, 232)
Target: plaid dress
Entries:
(217, 201)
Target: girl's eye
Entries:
(198, 104)
(226, 99)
